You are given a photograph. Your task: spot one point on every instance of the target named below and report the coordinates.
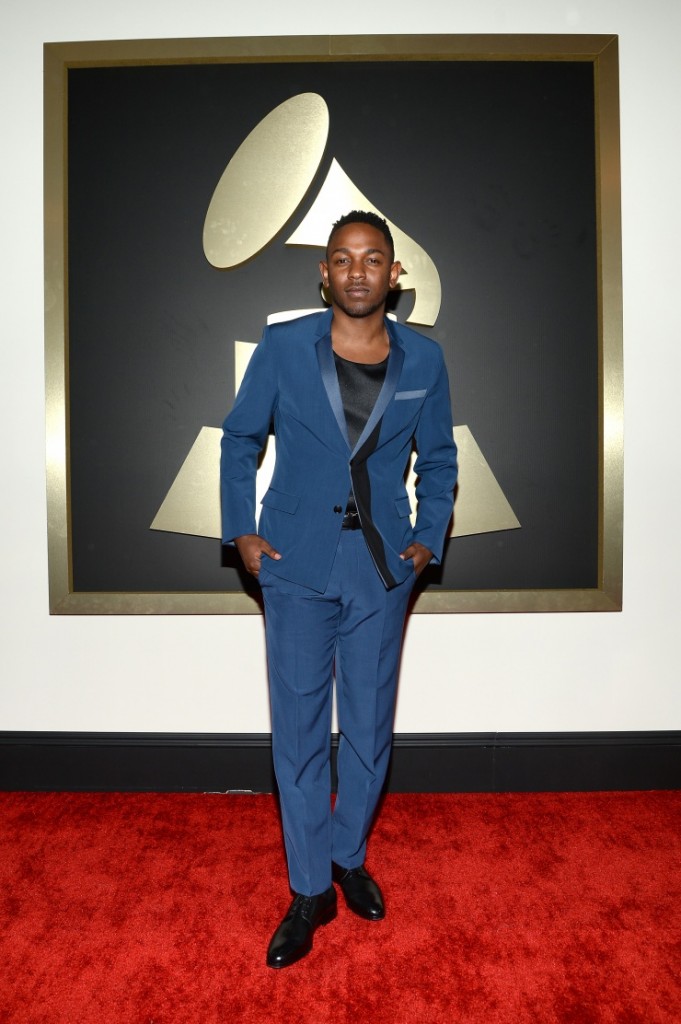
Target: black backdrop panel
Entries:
(488, 165)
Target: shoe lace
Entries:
(303, 906)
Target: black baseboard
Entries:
(426, 763)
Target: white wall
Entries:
(460, 673)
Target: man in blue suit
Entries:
(349, 392)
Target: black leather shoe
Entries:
(293, 938)
(362, 894)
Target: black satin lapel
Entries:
(327, 367)
(392, 375)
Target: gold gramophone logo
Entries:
(262, 187)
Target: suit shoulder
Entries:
(309, 325)
(416, 342)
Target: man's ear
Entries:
(324, 271)
(395, 271)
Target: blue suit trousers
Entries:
(356, 626)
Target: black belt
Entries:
(351, 521)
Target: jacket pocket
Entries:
(404, 396)
(403, 507)
(281, 501)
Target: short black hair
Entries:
(364, 217)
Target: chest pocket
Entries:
(406, 396)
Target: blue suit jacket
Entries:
(291, 381)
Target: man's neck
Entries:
(362, 339)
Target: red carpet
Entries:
(502, 909)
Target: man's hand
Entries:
(251, 547)
(420, 554)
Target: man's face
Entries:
(358, 272)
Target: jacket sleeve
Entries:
(243, 436)
(436, 466)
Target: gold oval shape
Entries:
(266, 179)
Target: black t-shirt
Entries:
(360, 385)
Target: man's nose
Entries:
(356, 269)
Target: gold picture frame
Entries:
(600, 51)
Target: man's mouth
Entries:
(356, 290)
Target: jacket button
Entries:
(338, 508)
